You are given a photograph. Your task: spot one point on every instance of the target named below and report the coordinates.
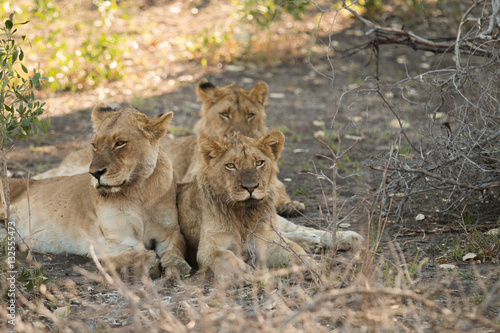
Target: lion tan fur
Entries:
(125, 208)
(226, 214)
(224, 110)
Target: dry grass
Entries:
(374, 290)
(353, 295)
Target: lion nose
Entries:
(250, 188)
(97, 174)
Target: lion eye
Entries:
(224, 115)
(230, 166)
(250, 116)
(119, 144)
(94, 147)
(259, 163)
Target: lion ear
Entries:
(259, 92)
(206, 90)
(158, 126)
(273, 141)
(100, 112)
(209, 147)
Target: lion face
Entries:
(125, 147)
(239, 168)
(231, 109)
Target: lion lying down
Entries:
(125, 207)
(225, 110)
(227, 214)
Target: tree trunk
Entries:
(5, 188)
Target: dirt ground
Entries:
(303, 104)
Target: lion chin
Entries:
(252, 203)
(248, 201)
(104, 189)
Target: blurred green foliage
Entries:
(264, 12)
(20, 111)
(98, 59)
(71, 64)
(242, 36)
(251, 32)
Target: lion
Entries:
(227, 213)
(123, 209)
(224, 111)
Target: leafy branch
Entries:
(19, 109)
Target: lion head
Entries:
(241, 169)
(231, 109)
(125, 147)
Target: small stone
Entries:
(493, 232)
(419, 217)
(319, 134)
(277, 95)
(62, 312)
(469, 256)
(234, 68)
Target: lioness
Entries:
(227, 213)
(224, 111)
(125, 208)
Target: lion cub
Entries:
(226, 214)
(125, 208)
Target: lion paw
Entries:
(154, 270)
(348, 240)
(235, 273)
(176, 268)
(291, 208)
(234, 278)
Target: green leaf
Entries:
(11, 126)
(36, 79)
(44, 126)
(8, 24)
(21, 54)
(26, 123)
(23, 132)
(14, 56)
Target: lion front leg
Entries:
(120, 256)
(164, 230)
(123, 230)
(171, 249)
(284, 204)
(226, 266)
